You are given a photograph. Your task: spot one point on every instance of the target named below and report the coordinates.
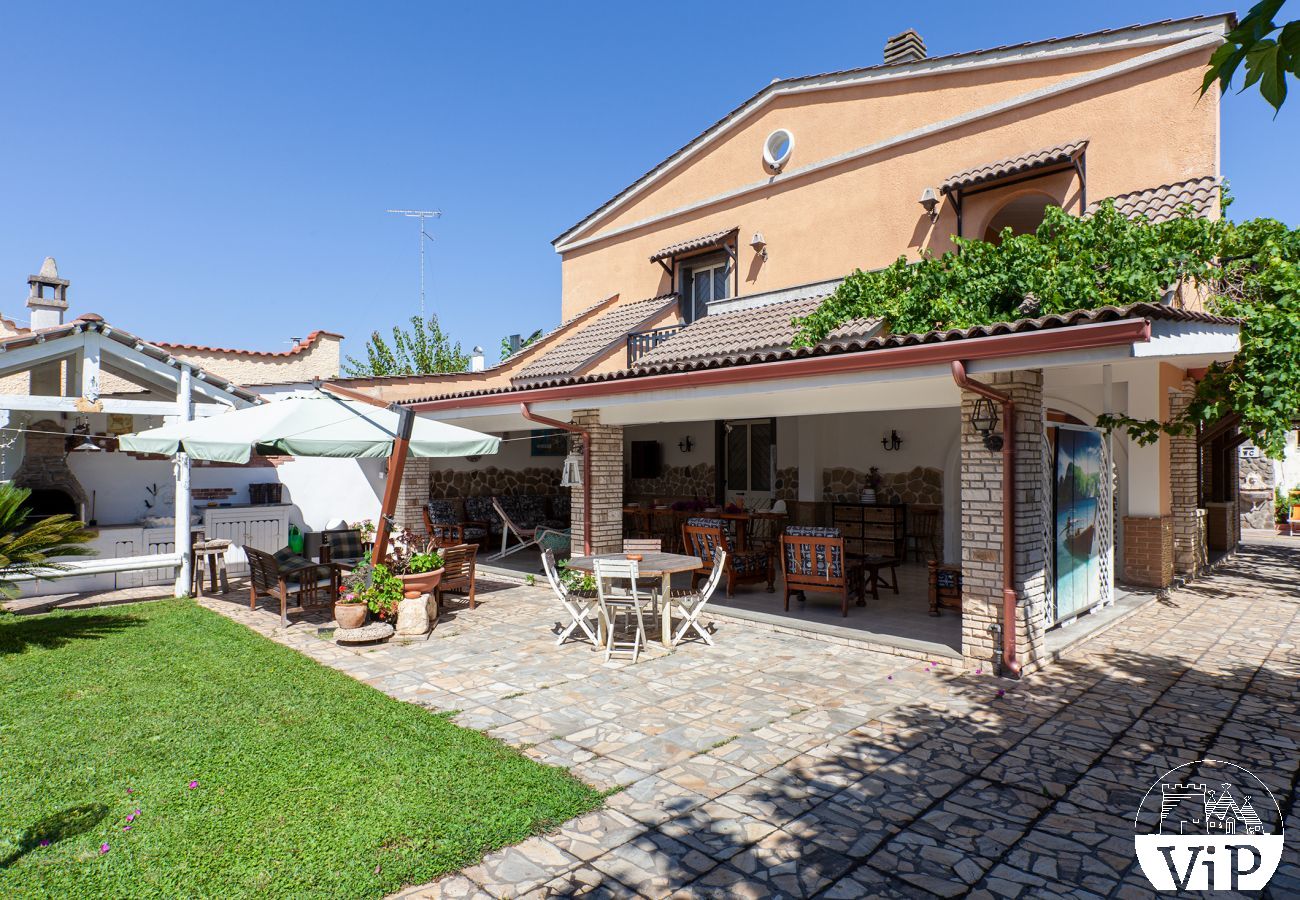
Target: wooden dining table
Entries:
(651, 565)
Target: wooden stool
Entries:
(214, 553)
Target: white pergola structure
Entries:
(87, 366)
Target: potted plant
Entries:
(417, 562)
(874, 482)
(366, 529)
(1282, 511)
(352, 605)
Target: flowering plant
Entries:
(367, 529)
(875, 480)
(413, 555)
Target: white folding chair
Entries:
(527, 537)
(691, 603)
(619, 596)
(576, 605)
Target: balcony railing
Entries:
(639, 343)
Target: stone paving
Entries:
(778, 766)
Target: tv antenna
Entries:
(420, 214)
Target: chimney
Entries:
(48, 299)
(476, 360)
(904, 48)
(516, 341)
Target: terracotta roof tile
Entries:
(717, 239)
(301, 347)
(1004, 168)
(594, 339)
(1160, 204)
(744, 332)
(875, 342)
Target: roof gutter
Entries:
(1055, 340)
(586, 467)
(1010, 662)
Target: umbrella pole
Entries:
(393, 487)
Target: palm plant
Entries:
(26, 546)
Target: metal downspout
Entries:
(586, 467)
(1010, 662)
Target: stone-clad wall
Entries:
(699, 480)
(492, 481)
(787, 483)
(918, 485)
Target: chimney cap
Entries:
(904, 47)
(49, 268)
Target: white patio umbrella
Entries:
(323, 425)
(316, 424)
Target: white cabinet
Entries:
(260, 527)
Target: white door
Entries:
(749, 461)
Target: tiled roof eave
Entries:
(1060, 156)
(880, 342)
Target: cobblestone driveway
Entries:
(776, 766)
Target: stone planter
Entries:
(350, 615)
(424, 583)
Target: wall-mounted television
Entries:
(644, 462)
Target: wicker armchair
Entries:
(284, 575)
(458, 564)
(704, 537)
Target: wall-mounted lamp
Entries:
(759, 245)
(930, 200)
(891, 441)
(685, 444)
(984, 418)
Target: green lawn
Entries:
(309, 784)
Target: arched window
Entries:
(1021, 214)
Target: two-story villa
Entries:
(675, 364)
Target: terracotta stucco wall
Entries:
(1146, 128)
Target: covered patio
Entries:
(946, 421)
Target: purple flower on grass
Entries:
(130, 817)
(45, 842)
(193, 785)
(103, 848)
(126, 827)
(130, 790)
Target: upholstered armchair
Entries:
(813, 559)
(447, 528)
(704, 537)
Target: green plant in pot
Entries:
(1281, 510)
(416, 561)
(351, 607)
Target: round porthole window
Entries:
(777, 147)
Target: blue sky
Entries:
(218, 173)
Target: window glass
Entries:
(721, 283)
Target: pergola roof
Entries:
(93, 344)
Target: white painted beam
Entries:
(185, 410)
(40, 403)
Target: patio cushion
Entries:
(799, 555)
(442, 512)
(345, 543)
(812, 531)
(703, 522)
(561, 506)
(474, 533)
(748, 563)
(526, 510)
(479, 509)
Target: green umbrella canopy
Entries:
(317, 424)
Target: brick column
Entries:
(606, 449)
(1190, 555)
(981, 520)
(413, 494)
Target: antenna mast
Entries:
(420, 214)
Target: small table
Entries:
(652, 565)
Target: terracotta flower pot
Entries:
(350, 615)
(424, 583)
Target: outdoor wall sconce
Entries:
(891, 441)
(759, 244)
(984, 418)
(930, 200)
(685, 444)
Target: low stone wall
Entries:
(699, 480)
(491, 481)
